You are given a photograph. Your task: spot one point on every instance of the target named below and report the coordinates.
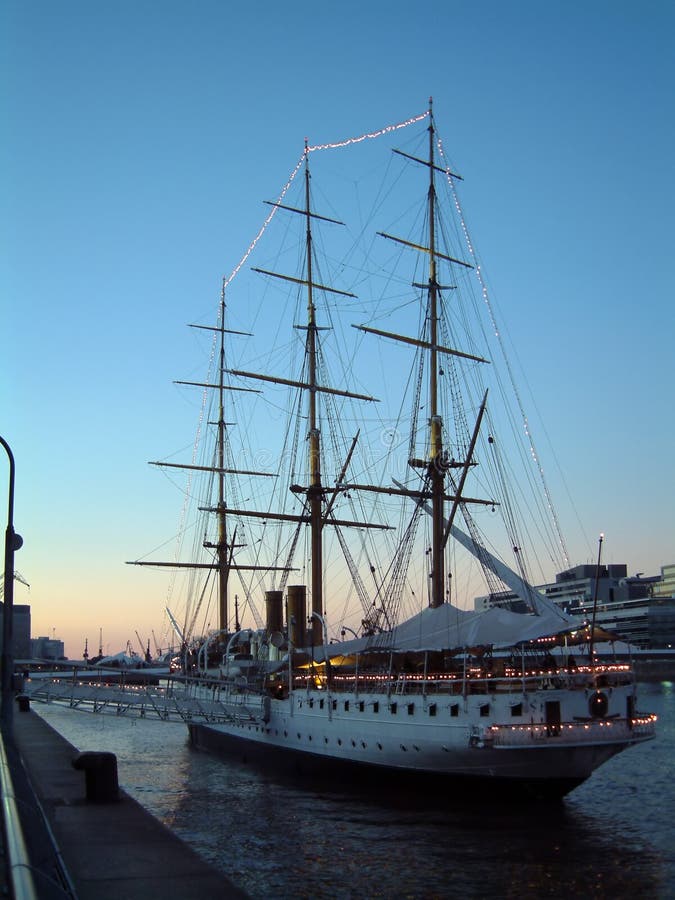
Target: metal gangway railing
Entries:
(172, 700)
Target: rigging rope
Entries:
(498, 335)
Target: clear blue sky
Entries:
(139, 141)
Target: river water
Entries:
(613, 837)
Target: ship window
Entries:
(454, 709)
(404, 748)
(376, 707)
(325, 740)
(346, 705)
(321, 703)
(339, 742)
(432, 709)
(393, 707)
(353, 743)
(285, 734)
(379, 746)
(361, 705)
(334, 704)
(298, 735)
(517, 709)
(310, 737)
(411, 709)
(485, 709)
(311, 704)
(363, 744)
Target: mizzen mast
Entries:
(224, 548)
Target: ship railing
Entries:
(476, 680)
(596, 731)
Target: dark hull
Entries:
(340, 775)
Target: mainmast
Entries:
(317, 510)
(222, 548)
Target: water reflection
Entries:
(277, 836)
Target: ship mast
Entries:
(315, 492)
(224, 548)
(436, 464)
(317, 511)
(436, 473)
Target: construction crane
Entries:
(17, 577)
(145, 651)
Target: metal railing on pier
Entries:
(17, 861)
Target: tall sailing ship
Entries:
(413, 685)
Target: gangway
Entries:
(173, 700)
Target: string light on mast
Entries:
(493, 319)
(388, 129)
(336, 145)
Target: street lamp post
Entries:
(13, 542)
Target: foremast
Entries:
(437, 464)
(315, 491)
(435, 468)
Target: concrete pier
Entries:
(107, 849)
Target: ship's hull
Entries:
(449, 743)
(340, 773)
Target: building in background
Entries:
(21, 629)
(666, 587)
(47, 648)
(636, 609)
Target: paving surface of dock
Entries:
(109, 850)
